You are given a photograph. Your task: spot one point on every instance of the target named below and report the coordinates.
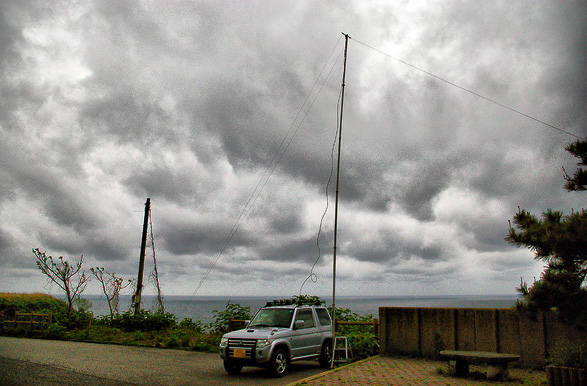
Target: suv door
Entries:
(306, 340)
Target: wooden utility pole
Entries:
(137, 295)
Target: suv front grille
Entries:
(242, 342)
(247, 344)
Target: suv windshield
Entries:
(273, 317)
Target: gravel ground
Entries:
(43, 362)
(46, 362)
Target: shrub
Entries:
(188, 323)
(206, 343)
(41, 303)
(231, 311)
(173, 341)
(569, 353)
(56, 331)
(145, 320)
(364, 345)
(363, 341)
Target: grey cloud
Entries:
(62, 202)
(108, 250)
(286, 219)
(205, 236)
(302, 249)
(202, 79)
(62, 198)
(392, 247)
(167, 182)
(10, 33)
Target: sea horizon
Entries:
(202, 307)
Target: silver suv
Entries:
(278, 335)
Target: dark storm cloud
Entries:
(6, 242)
(167, 182)
(385, 245)
(62, 201)
(303, 250)
(59, 194)
(286, 218)
(188, 103)
(126, 115)
(102, 248)
(206, 236)
(11, 15)
(239, 121)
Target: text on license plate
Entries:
(240, 353)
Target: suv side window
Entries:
(306, 316)
(323, 317)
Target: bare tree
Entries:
(67, 276)
(111, 286)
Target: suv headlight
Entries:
(223, 342)
(262, 343)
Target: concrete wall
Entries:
(425, 331)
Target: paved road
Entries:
(45, 362)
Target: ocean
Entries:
(202, 307)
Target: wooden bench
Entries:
(497, 363)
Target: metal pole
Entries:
(346, 42)
(137, 296)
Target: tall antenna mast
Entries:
(346, 43)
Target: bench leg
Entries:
(459, 367)
(497, 371)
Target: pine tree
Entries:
(561, 242)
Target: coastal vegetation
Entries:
(561, 242)
(69, 277)
(148, 328)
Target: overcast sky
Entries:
(224, 113)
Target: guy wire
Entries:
(271, 167)
(312, 276)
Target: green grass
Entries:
(42, 303)
(157, 330)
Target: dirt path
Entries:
(46, 362)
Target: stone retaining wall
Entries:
(425, 331)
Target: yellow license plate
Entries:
(240, 353)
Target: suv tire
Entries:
(279, 363)
(232, 367)
(325, 358)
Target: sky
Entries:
(225, 115)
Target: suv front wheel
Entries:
(279, 363)
(232, 367)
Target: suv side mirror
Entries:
(298, 324)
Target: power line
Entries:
(469, 91)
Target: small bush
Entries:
(188, 323)
(363, 341)
(206, 343)
(438, 345)
(145, 320)
(570, 354)
(231, 311)
(40, 303)
(56, 331)
(364, 346)
(173, 341)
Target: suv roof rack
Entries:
(293, 302)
